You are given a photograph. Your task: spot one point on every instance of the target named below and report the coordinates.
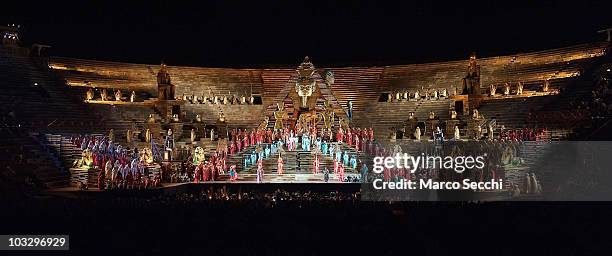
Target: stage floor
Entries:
(169, 185)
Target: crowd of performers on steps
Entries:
(125, 168)
(119, 168)
(266, 144)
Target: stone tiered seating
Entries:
(387, 115)
(27, 156)
(513, 112)
(38, 99)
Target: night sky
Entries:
(254, 33)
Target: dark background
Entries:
(258, 33)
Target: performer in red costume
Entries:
(101, 179)
(269, 135)
(219, 167)
(386, 174)
(253, 142)
(279, 169)
(349, 137)
(197, 174)
(260, 171)
(339, 135)
(357, 144)
(245, 141)
(313, 134)
(138, 179)
(341, 173)
(232, 148)
(335, 166)
(129, 179)
(205, 171)
(316, 164)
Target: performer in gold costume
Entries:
(327, 116)
(280, 116)
(264, 124)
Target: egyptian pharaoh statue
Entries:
(305, 84)
(471, 82)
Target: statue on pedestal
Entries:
(478, 133)
(90, 94)
(471, 82)
(476, 114)
(193, 136)
(546, 85)
(507, 89)
(519, 88)
(132, 96)
(103, 95)
(457, 134)
(417, 133)
(164, 87)
(128, 136)
(148, 135)
(492, 90)
(453, 114)
(118, 95)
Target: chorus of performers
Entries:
(214, 168)
(259, 153)
(118, 167)
(501, 155)
(257, 145)
(524, 134)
